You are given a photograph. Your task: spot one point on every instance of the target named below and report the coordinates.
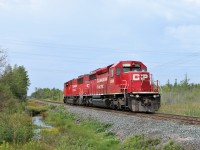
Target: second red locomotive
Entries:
(123, 85)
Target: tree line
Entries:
(47, 93)
(14, 83)
(180, 92)
(182, 85)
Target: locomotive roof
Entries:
(83, 75)
(104, 69)
(125, 61)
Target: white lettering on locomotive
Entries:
(112, 81)
(100, 86)
(102, 80)
(137, 77)
(74, 86)
(81, 92)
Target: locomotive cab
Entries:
(136, 76)
(133, 75)
(139, 91)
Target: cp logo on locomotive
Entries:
(137, 77)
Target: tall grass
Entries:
(189, 109)
(179, 100)
(15, 126)
(35, 108)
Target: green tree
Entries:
(3, 56)
(20, 83)
(16, 80)
(185, 82)
(175, 83)
(46, 93)
(5, 92)
(169, 84)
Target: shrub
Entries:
(172, 146)
(16, 128)
(139, 142)
(35, 108)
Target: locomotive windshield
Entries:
(127, 69)
(131, 67)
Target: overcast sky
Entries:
(57, 40)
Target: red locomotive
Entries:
(123, 85)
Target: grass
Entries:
(190, 109)
(15, 128)
(139, 142)
(181, 101)
(77, 134)
(34, 108)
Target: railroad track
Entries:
(190, 120)
(179, 118)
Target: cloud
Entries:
(189, 33)
(169, 10)
(193, 2)
(6, 4)
(186, 36)
(175, 10)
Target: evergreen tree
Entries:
(3, 57)
(185, 82)
(20, 83)
(169, 84)
(175, 83)
(16, 80)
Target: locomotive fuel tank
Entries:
(69, 100)
(101, 102)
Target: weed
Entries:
(35, 108)
(16, 128)
(172, 146)
(139, 142)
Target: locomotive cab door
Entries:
(111, 80)
(114, 80)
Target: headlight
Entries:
(137, 96)
(154, 96)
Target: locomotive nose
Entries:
(147, 102)
(138, 81)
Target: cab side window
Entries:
(112, 72)
(117, 71)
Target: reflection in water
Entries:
(39, 122)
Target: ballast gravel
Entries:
(124, 126)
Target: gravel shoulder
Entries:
(124, 126)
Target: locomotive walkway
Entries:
(189, 120)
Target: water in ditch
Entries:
(39, 122)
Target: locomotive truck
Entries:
(125, 85)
